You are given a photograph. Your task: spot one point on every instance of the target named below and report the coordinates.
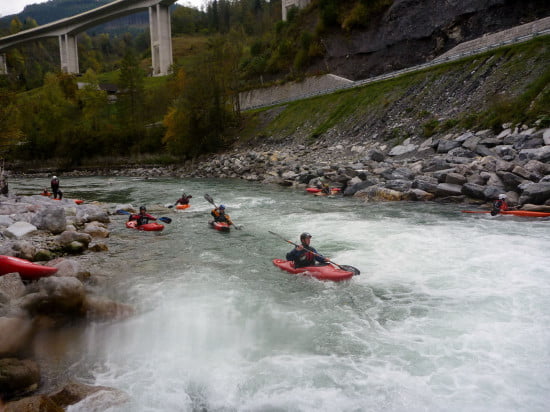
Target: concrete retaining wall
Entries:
(290, 91)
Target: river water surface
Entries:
(451, 311)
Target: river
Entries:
(451, 311)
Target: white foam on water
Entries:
(450, 312)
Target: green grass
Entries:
(311, 118)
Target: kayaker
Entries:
(219, 215)
(304, 254)
(142, 217)
(326, 189)
(499, 205)
(54, 183)
(46, 192)
(184, 199)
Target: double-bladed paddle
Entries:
(162, 219)
(347, 268)
(211, 201)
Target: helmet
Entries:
(502, 196)
(55, 177)
(221, 207)
(142, 208)
(304, 235)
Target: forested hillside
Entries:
(219, 51)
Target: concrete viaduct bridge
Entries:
(66, 30)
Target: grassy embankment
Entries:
(509, 84)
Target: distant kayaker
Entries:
(54, 183)
(326, 189)
(219, 215)
(304, 254)
(142, 217)
(46, 192)
(184, 199)
(499, 205)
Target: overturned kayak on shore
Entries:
(221, 226)
(321, 272)
(148, 227)
(522, 213)
(26, 269)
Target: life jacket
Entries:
(307, 258)
(499, 205)
(220, 217)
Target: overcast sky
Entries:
(8, 7)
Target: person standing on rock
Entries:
(54, 183)
(3, 185)
(499, 205)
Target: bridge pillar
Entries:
(161, 39)
(68, 50)
(3, 66)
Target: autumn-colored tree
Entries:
(131, 98)
(10, 132)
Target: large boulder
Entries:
(20, 229)
(510, 181)
(15, 336)
(473, 190)
(377, 193)
(89, 213)
(56, 296)
(351, 190)
(75, 392)
(37, 403)
(448, 189)
(96, 229)
(51, 219)
(18, 377)
(66, 238)
(536, 193)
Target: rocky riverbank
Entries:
(56, 234)
(471, 167)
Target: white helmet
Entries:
(503, 196)
(55, 177)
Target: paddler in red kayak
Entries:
(219, 215)
(499, 205)
(142, 217)
(304, 255)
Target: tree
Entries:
(10, 131)
(130, 102)
(205, 106)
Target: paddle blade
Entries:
(165, 219)
(122, 212)
(349, 268)
(209, 199)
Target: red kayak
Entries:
(148, 227)
(221, 226)
(77, 201)
(316, 190)
(522, 213)
(25, 268)
(183, 207)
(326, 272)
